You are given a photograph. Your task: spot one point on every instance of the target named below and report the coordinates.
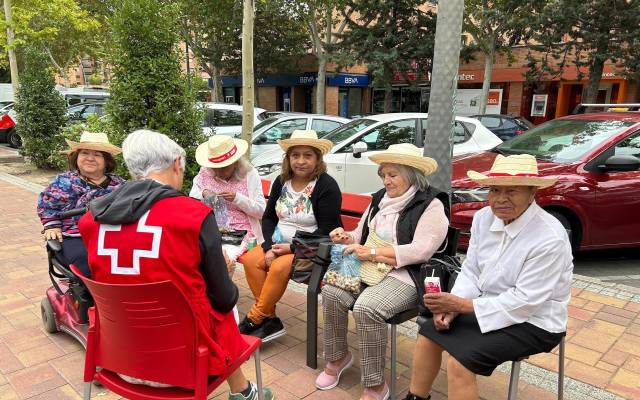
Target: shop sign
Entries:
(353, 80)
(467, 101)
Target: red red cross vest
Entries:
(163, 245)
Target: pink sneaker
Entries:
(384, 395)
(325, 381)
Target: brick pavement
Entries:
(603, 340)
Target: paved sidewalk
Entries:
(603, 341)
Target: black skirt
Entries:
(481, 352)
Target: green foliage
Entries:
(147, 88)
(40, 109)
(389, 36)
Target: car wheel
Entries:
(567, 226)
(14, 139)
(48, 318)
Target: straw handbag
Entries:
(372, 272)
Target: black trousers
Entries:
(74, 253)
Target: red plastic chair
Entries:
(149, 331)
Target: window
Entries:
(461, 131)
(228, 118)
(281, 130)
(491, 122)
(324, 126)
(629, 146)
(385, 135)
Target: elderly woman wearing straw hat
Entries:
(90, 175)
(510, 299)
(226, 176)
(402, 228)
(303, 198)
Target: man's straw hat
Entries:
(406, 154)
(220, 151)
(97, 141)
(306, 138)
(514, 170)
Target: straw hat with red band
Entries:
(515, 170)
(220, 151)
(306, 138)
(97, 141)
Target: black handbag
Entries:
(443, 266)
(305, 248)
(232, 237)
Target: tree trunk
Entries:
(595, 75)
(486, 82)
(247, 72)
(13, 63)
(388, 97)
(321, 83)
(216, 87)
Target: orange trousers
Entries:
(267, 284)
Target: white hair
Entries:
(243, 166)
(146, 151)
(415, 177)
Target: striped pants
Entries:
(371, 309)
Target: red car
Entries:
(596, 158)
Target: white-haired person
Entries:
(402, 228)
(227, 176)
(189, 251)
(510, 299)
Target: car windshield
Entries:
(563, 141)
(264, 123)
(346, 131)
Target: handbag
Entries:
(373, 272)
(231, 237)
(440, 265)
(305, 248)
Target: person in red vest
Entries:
(147, 231)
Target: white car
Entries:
(268, 132)
(226, 119)
(348, 160)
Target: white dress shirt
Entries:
(520, 272)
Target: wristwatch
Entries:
(372, 253)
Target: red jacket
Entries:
(163, 245)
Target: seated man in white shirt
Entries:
(510, 299)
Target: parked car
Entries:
(267, 133)
(226, 118)
(596, 158)
(8, 127)
(82, 111)
(504, 126)
(79, 95)
(5, 106)
(366, 136)
(606, 107)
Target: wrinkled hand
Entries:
(338, 235)
(53, 234)
(231, 265)
(207, 193)
(228, 196)
(269, 256)
(439, 303)
(442, 322)
(281, 249)
(363, 253)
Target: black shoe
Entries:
(271, 328)
(248, 327)
(411, 396)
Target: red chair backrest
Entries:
(147, 331)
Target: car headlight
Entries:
(268, 169)
(469, 195)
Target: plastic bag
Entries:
(277, 236)
(344, 271)
(219, 206)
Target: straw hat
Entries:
(306, 138)
(406, 154)
(220, 151)
(93, 141)
(515, 170)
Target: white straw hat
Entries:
(406, 154)
(97, 141)
(220, 151)
(514, 170)
(306, 138)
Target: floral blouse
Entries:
(294, 211)
(66, 192)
